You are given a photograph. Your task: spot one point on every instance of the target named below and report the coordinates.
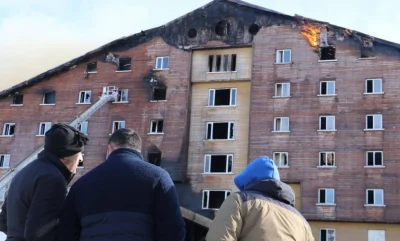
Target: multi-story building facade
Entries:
(209, 96)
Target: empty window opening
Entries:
(220, 131)
(281, 124)
(222, 63)
(118, 125)
(283, 56)
(83, 127)
(162, 63)
(218, 63)
(192, 33)
(85, 97)
(49, 98)
(374, 158)
(4, 160)
(375, 197)
(159, 94)
(373, 86)
(327, 123)
(327, 88)
(213, 199)
(9, 129)
(233, 62)
(122, 96)
(154, 158)
(91, 67)
(327, 235)
(156, 126)
(282, 90)
(328, 53)
(222, 97)
(327, 159)
(222, 28)
(281, 159)
(80, 164)
(18, 99)
(326, 196)
(254, 28)
(124, 64)
(44, 127)
(218, 163)
(374, 122)
(376, 235)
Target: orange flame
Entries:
(312, 34)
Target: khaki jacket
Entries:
(263, 212)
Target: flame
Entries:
(312, 34)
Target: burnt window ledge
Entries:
(326, 204)
(367, 58)
(47, 104)
(374, 167)
(331, 95)
(217, 173)
(123, 71)
(327, 167)
(376, 93)
(17, 105)
(375, 205)
(328, 60)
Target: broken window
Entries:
(118, 125)
(327, 159)
(218, 163)
(162, 63)
(85, 97)
(159, 94)
(8, 129)
(91, 67)
(373, 86)
(328, 53)
(374, 122)
(327, 123)
(375, 197)
(4, 160)
(18, 99)
(326, 196)
(83, 127)
(327, 87)
(213, 199)
(222, 63)
(222, 97)
(327, 234)
(222, 28)
(284, 56)
(154, 158)
(124, 64)
(282, 90)
(374, 158)
(281, 159)
(281, 124)
(43, 128)
(156, 127)
(122, 96)
(49, 98)
(220, 131)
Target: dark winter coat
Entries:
(34, 200)
(124, 198)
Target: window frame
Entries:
(87, 67)
(373, 86)
(162, 62)
(327, 118)
(152, 94)
(44, 98)
(280, 159)
(280, 55)
(376, 230)
(4, 134)
(208, 197)
(6, 159)
(374, 204)
(326, 156)
(127, 70)
(232, 97)
(232, 58)
(14, 98)
(282, 92)
(84, 100)
(275, 124)
(151, 127)
(119, 98)
(327, 88)
(40, 128)
(326, 196)
(229, 130)
(374, 165)
(119, 126)
(373, 122)
(327, 229)
(208, 157)
(86, 124)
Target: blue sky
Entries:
(36, 35)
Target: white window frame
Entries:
(206, 207)
(207, 163)
(121, 124)
(46, 128)
(326, 196)
(6, 161)
(229, 130)
(280, 164)
(327, 87)
(280, 56)
(374, 165)
(372, 235)
(9, 124)
(43, 98)
(374, 204)
(232, 98)
(326, 153)
(85, 101)
(121, 92)
(327, 229)
(161, 58)
(328, 117)
(83, 127)
(380, 118)
(282, 93)
(373, 86)
(152, 122)
(281, 123)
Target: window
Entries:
(91, 67)
(375, 197)
(43, 128)
(156, 127)
(373, 86)
(49, 98)
(326, 196)
(283, 56)
(220, 131)
(327, 53)
(8, 129)
(222, 97)
(222, 63)
(327, 234)
(327, 87)
(122, 96)
(213, 199)
(282, 90)
(374, 122)
(281, 159)
(124, 64)
(4, 160)
(376, 235)
(281, 124)
(162, 63)
(83, 127)
(374, 158)
(85, 97)
(218, 163)
(154, 158)
(118, 125)
(327, 159)
(159, 94)
(327, 123)
(18, 99)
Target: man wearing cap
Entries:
(37, 192)
(263, 210)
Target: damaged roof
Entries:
(241, 12)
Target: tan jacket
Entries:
(257, 215)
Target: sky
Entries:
(36, 35)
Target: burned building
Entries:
(209, 96)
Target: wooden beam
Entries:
(195, 217)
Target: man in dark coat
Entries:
(124, 198)
(37, 192)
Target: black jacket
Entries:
(123, 199)
(34, 200)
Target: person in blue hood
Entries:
(263, 209)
